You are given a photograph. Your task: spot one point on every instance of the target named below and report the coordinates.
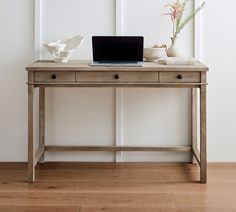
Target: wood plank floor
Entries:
(131, 187)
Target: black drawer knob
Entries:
(180, 76)
(53, 76)
(117, 76)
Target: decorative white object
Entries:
(174, 50)
(152, 54)
(62, 50)
(178, 61)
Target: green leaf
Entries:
(179, 19)
(187, 19)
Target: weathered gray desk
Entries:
(42, 74)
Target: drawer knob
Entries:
(180, 76)
(53, 76)
(117, 76)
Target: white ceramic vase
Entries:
(174, 50)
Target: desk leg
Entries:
(31, 148)
(194, 121)
(42, 121)
(203, 144)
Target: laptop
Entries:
(117, 51)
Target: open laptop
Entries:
(117, 51)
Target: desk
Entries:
(42, 74)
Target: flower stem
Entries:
(173, 28)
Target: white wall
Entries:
(17, 50)
(218, 51)
(87, 116)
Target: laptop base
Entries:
(137, 64)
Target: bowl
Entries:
(63, 56)
(61, 50)
(153, 54)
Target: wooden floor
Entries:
(147, 187)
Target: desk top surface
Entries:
(75, 65)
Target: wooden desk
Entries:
(42, 74)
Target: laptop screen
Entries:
(117, 49)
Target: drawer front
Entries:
(54, 76)
(117, 77)
(181, 77)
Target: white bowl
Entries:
(63, 56)
(62, 50)
(55, 47)
(153, 54)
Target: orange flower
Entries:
(176, 10)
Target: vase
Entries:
(174, 50)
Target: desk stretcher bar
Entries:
(118, 148)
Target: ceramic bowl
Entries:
(153, 54)
(63, 56)
(61, 50)
(55, 46)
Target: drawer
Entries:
(181, 77)
(117, 77)
(54, 76)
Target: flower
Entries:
(176, 14)
(176, 10)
